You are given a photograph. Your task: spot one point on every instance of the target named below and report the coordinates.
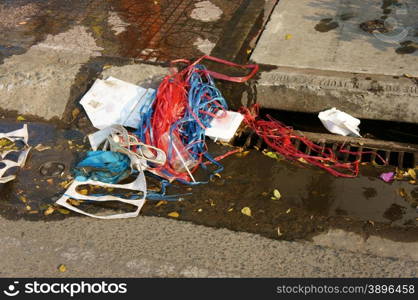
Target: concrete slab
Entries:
(40, 81)
(324, 53)
(326, 35)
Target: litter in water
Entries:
(339, 122)
(9, 149)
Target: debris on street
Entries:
(158, 132)
(339, 122)
(9, 146)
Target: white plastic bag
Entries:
(339, 122)
(113, 101)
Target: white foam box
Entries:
(224, 127)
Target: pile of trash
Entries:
(144, 133)
(159, 133)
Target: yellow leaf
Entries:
(277, 194)
(62, 268)
(63, 211)
(74, 202)
(200, 210)
(49, 211)
(23, 23)
(288, 36)
(174, 214)
(246, 211)
(23, 199)
(50, 181)
(20, 118)
(279, 233)
(160, 203)
(231, 209)
(302, 160)
(28, 207)
(288, 211)
(412, 173)
(83, 192)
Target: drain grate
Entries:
(400, 155)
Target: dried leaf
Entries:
(50, 181)
(83, 192)
(246, 211)
(277, 194)
(49, 211)
(41, 147)
(62, 268)
(242, 154)
(412, 173)
(288, 36)
(23, 23)
(174, 214)
(20, 118)
(288, 211)
(302, 160)
(63, 211)
(231, 209)
(162, 202)
(279, 233)
(23, 199)
(200, 210)
(74, 202)
(28, 207)
(75, 113)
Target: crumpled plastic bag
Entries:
(339, 122)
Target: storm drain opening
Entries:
(365, 150)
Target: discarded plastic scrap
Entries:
(20, 135)
(113, 101)
(171, 125)
(138, 185)
(281, 138)
(339, 122)
(223, 127)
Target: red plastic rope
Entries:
(281, 138)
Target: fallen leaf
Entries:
(288, 36)
(231, 209)
(49, 211)
(23, 23)
(246, 211)
(162, 202)
(50, 181)
(302, 160)
(200, 210)
(105, 67)
(277, 194)
(174, 214)
(41, 147)
(74, 202)
(62, 268)
(288, 211)
(83, 192)
(20, 118)
(412, 173)
(242, 154)
(75, 113)
(28, 207)
(279, 232)
(63, 211)
(23, 199)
